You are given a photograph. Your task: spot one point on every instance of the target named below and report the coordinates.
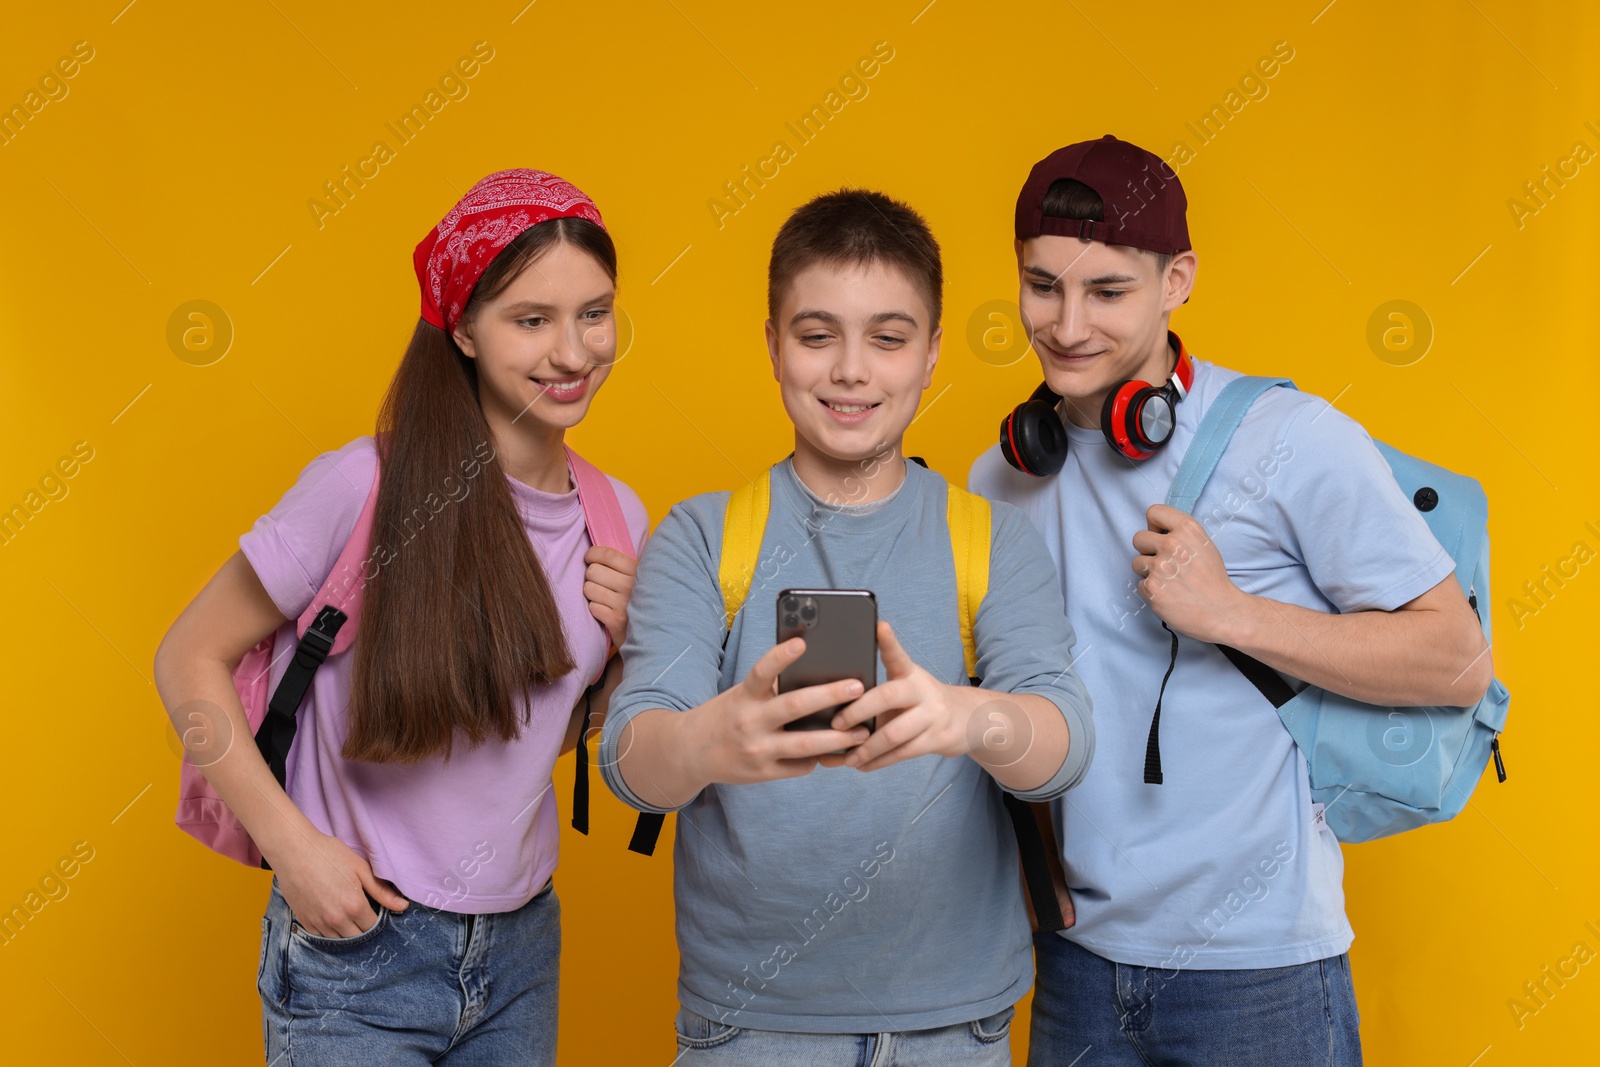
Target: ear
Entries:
(772, 350)
(1179, 282)
(933, 357)
(463, 338)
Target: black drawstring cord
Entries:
(1152, 747)
(580, 779)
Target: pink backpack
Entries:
(322, 632)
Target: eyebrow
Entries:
(534, 305)
(1104, 279)
(833, 320)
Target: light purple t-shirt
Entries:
(476, 833)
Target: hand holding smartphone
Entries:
(840, 630)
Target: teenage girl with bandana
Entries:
(412, 918)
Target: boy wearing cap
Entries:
(1210, 924)
(826, 915)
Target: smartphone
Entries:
(840, 627)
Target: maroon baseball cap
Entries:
(1144, 202)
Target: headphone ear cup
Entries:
(1153, 419)
(1033, 440)
(1119, 419)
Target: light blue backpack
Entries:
(1377, 770)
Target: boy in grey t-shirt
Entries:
(823, 913)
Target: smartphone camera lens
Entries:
(791, 621)
(808, 611)
(791, 604)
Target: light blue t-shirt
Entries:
(1225, 865)
(845, 901)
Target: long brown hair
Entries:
(458, 620)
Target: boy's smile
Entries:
(848, 410)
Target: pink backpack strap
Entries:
(346, 583)
(602, 512)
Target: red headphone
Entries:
(1136, 419)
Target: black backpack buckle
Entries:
(319, 636)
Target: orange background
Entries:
(177, 164)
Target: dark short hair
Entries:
(1068, 198)
(856, 227)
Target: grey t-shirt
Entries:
(843, 901)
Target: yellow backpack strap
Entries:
(969, 520)
(742, 527)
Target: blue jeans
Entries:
(1090, 1012)
(981, 1043)
(420, 987)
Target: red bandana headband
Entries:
(495, 212)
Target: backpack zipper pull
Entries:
(1499, 764)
